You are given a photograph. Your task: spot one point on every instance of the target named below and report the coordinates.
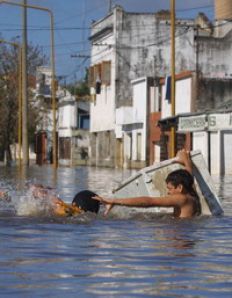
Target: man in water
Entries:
(52, 204)
(82, 202)
(181, 194)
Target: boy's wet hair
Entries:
(83, 200)
(182, 177)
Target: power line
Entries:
(46, 28)
(195, 8)
(166, 36)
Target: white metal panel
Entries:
(150, 181)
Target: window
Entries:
(106, 73)
(83, 119)
(100, 72)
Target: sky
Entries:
(72, 21)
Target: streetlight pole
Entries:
(173, 83)
(53, 88)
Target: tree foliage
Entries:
(9, 93)
(80, 88)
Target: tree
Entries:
(9, 81)
(80, 88)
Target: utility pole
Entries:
(173, 83)
(24, 89)
(110, 5)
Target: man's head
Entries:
(83, 200)
(179, 181)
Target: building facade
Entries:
(73, 129)
(127, 47)
(72, 124)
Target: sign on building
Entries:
(192, 123)
(220, 121)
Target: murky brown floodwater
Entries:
(88, 256)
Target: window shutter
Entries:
(106, 73)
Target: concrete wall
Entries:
(102, 149)
(80, 148)
(214, 94)
(214, 54)
(143, 48)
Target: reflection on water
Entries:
(93, 256)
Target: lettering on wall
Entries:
(205, 122)
(193, 123)
(220, 121)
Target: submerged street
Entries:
(94, 256)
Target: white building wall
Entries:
(67, 117)
(226, 160)
(182, 98)
(215, 167)
(135, 131)
(200, 142)
(140, 115)
(183, 95)
(140, 99)
(68, 114)
(102, 110)
(127, 146)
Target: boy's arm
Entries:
(183, 157)
(167, 201)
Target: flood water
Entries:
(93, 256)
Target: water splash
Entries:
(23, 203)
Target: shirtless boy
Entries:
(180, 192)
